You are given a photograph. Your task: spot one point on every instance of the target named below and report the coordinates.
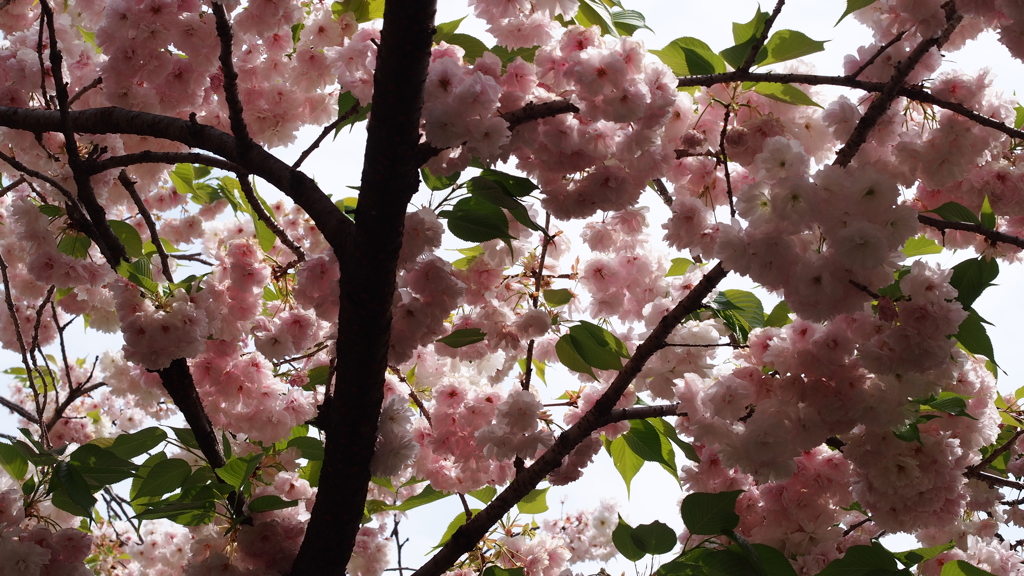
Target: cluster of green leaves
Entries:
(161, 487)
(479, 216)
(587, 346)
(742, 311)
(930, 408)
(650, 440)
(611, 16)
(714, 516)
(688, 56)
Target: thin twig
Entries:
(193, 258)
(980, 466)
(323, 135)
(231, 97)
(878, 53)
(662, 191)
(19, 410)
(42, 65)
(465, 506)
(856, 525)
(17, 182)
(151, 157)
(21, 341)
(719, 345)
(261, 214)
(85, 89)
(129, 186)
(724, 159)
(993, 236)
(538, 284)
(865, 289)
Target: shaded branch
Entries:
(14, 184)
(993, 480)
(334, 225)
(662, 191)
(129, 186)
(466, 537)
(73, 394)
(85, 89)
(151, 157)
(981, 466)
(19, 410)
(993, 236)
(231, 97)
(177, 381)
(723, 158)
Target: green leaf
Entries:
(1018, 122)
(862, 560)
(495, 570)
(788, 45)
(237, 470)
(599, 347)
(679, 267)
(854, 5)
(570, 357)
(955, 212)
(426, 496)
(311, 448)
(962, 568)
(627, 22)
(785, 93)
(454, 525)
(74, 485)
(647, 442)
(488, 190)
(912, 558)
(654, 538)
(746, 305)
(988, 217)
(318, 376)
(778, 317)
(948, 402)
(710, 514)
(436, 183)
(362, 10)
(13, 461)
(101, 467)
(51, 210)
(669, 432)
(140, 273)
(183, 177)
(128, 236)
(472, 46)
(535, 502)
(622, 538)
(270, 502)
(508, 56)
(444, 30)
(774, 562)
(517, 186)
(688, 56)
(163, 477)
(485, 494)
(745, 35)
(463, 337)
(129, 446)
(186, 437)
(727, 562)
(476, 220)
(346, 102)
(920, 246)
(971, 278)
(909, 434)
(624, 460)
(74, 245)
(596, 13)
(557, 297)
(974, 337)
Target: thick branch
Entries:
(466, 537)
(231, 97)
(178, 383)
(19, 410)
(112, 120)
(368, 274)
(993, 236)
(641, 412)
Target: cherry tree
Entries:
(335, 369)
